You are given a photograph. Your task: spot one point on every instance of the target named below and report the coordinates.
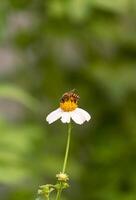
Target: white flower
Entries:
(78, 115)
(68, 110)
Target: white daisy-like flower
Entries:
(69, 110)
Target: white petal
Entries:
(84, 114)
(53, 116)
(77, 118)
(65, 117)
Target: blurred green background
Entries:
(48, 48)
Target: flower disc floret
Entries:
(68, 106)
(62, 177)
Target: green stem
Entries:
(67, 148)
(58, 194)
(65, 159)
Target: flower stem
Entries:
(58, 194)
(65, 159)
(67, 148)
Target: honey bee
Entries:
(71, 95)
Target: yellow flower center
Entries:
(68, 106)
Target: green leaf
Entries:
(18, 145)
(15, 93)
(116, 5)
